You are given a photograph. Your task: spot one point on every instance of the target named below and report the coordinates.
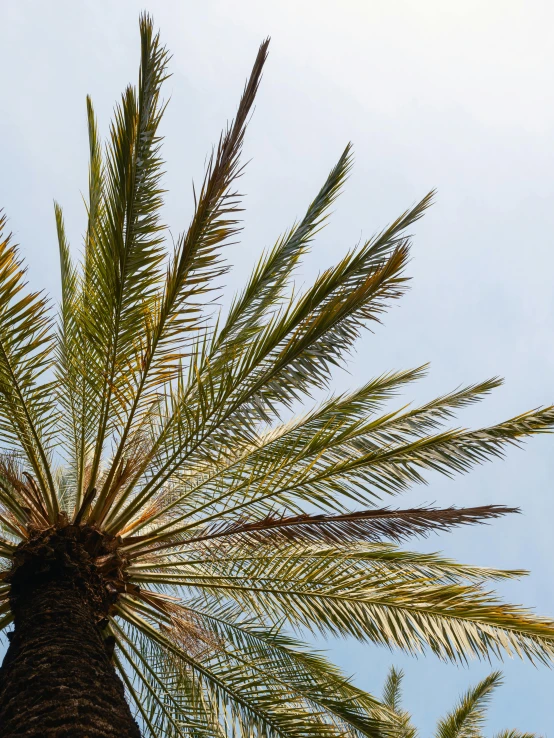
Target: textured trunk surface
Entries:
(57, 678)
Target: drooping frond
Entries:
(167, 705)
(253, 679)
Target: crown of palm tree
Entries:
(216, 527)
(466, 720)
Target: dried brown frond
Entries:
(187, 631)
(22, 489)
(366, 525)
(148, 513)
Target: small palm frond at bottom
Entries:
(466, 720)
(468, 717)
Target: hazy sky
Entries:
(456, 96)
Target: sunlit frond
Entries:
(371, 592)
(125, 253)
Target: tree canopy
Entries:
(144, 413)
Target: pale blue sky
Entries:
(456, 96)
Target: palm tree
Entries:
(163, 525)
(466, 720)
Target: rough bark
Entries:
(57, 678)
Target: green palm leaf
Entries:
(125, 251)
(82, 384)
(467, 719)
(365, 591)
(272, 273)
(392, 696)
(27, 405)
(280, 702)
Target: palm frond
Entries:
(27, 405)
(467, 719)
(69, 354)
(125, 254)
(159, 703)
(195, 264)
(272, 273)
(392, 696)
(283, 700)
(367, 591)
(365, 525)
(80, 376)
(265, 561)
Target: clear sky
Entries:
(433, 93)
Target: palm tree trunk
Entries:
(57, 678)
